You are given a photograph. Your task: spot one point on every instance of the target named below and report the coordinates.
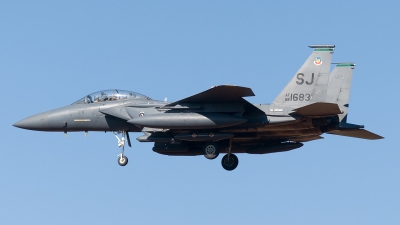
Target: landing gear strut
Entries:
(122, 159)
(230, 161)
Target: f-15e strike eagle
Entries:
(219, 120)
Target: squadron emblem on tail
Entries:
(318, 61)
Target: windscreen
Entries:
(110, 95)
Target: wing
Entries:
(219, 99)
(218, 94)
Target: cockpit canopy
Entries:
(110, 95)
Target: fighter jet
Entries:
(220, 120)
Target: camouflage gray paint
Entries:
(219, 120)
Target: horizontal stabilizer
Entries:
(345, 125)
(359, 133)
(318, 109)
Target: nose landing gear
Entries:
(122, 159)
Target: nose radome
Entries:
(37, 122)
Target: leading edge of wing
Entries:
(217, 94)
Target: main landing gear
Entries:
(122, 159)
(229, 162)
(211, 150)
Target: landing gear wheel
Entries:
(211, 151)
(122, 161)
(230, 164)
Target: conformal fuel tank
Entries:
(187, 120)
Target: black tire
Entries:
(122, 161)
(230, 164)
(211, 150)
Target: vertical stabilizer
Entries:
(339, 87)
(310, 83)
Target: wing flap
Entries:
(359, 133)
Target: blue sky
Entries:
(52, 53)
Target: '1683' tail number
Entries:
(297, 97)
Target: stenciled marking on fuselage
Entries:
(81, 120)
(300, 79)
(294, 97)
